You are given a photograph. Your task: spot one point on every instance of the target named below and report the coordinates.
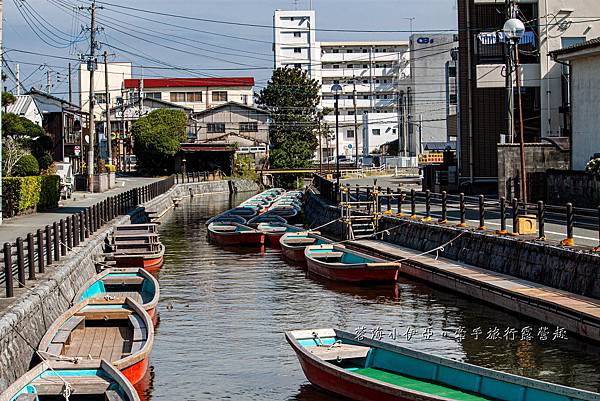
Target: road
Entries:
(20, 226)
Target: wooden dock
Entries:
(576, 313)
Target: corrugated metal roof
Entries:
(21, 105)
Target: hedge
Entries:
(23, 194)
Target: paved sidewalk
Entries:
(20, 226)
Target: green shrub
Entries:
(49, 191)
(44, 161)
(20, 194)
(26, 166)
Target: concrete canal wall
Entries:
(562, 268)
(23, 324)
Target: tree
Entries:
(20, 127)
(157, 138)
(8, 99)
(291, 97)
(12, 152)
(26, 166)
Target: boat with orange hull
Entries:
(87, 379)
(235, 234)
(147, 256)
(336, 262)
(120, 332)
(293, 244)
(118, 283)
(363, 369)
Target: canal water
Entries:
(223, 312)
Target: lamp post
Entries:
(514, 29)
(337, 89)
(319, 110)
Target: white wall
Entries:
(117, 72)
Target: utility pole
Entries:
(141, 88)
(70, 85)
(1, 112)
(401, 141)
(510, 97)
(92, 64)
(355, 122)
(107, 95)
(18, 75)
(122, 125)
(48, 83)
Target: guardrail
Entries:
(25, 257)
(198, 176)
(395, 201)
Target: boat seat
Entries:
(123, 280)
(136, 346)
(300, 241)
(327, 255)
(27, 397)
(339, 352)
(55, 348)
(225, 228)
(64, 333)
(112, 395)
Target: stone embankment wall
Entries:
(23, 325)
(562, 268)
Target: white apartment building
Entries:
(370, 73)
(117, 73)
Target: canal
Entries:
(223, 312)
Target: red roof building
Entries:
(196, 93)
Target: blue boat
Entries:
(274, 231)
(365, 370)
(87, 379)
(225, 217)
(294, 244)
(266, 218)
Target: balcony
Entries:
(360, 58)
(491, 76)
(362, 73)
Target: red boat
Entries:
(274, 231)
(120, 332)
(294, 244)
(235, 234)
(335, 262)
(148, 256)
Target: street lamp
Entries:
(319, 110)
(337, 89)
(514, 29)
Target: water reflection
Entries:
(223, 312)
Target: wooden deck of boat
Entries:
(136, 296)
(482, 277)
(110, 343)
(53, 385)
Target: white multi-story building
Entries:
(370, 73)
(117, 73)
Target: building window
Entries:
(376, 81)
(193, 97)
(219, 96)
(336, 66)
(178, 97)
(383, 50)
(245, 99)
(365, 50)
(297, 50)
(349, 51)
(393, 130)
(153, 95)
(365, 66)
(376, 65)
(297, 65)
(292, 19)
(350, 65)
(336, 51)
(349, 97)
(349, 133)
(365, 81)
(376, 131)
(297, 34)
(215, 128)
(100, 98)
(366, 97)
(336, 81)
(350, 112)
(248, 127)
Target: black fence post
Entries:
(413, 204)
(20, 262)
(56, 241)
(481, 213)
(368, 199)
(81, 226)
(69, 233)
(8, 272)
(31, 256)
(88, 222)
(541, 215)
(503, 216)
(400, 200)
(427, 205)
(389, 200)
(569, 241)
(462, 210)
(444, 218)
(357, 193)
(515, 216)
(40, 251)
(75, 220)
(48, 246)
(63, 237)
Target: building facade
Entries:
(487, 111)
(117, 73)
(197, 94)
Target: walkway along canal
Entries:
(223, 312)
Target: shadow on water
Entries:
(223, 312)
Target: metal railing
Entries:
(198, 176)
(419, 204)
(48, 245)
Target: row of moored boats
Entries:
(361, 367)
(99, 348)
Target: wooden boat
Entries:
(274, 231)
(136, 228)
(246, 212)
(293, 244)
(234, 234)
(118, 283)
(266, 218)
(335, 262)
(88, 379)
(224, 217)
(120, 332)
(367, 370)
(148, 256)
(123, 237)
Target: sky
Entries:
(184, 47)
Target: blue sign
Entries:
(349, 146)
(424, 41)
